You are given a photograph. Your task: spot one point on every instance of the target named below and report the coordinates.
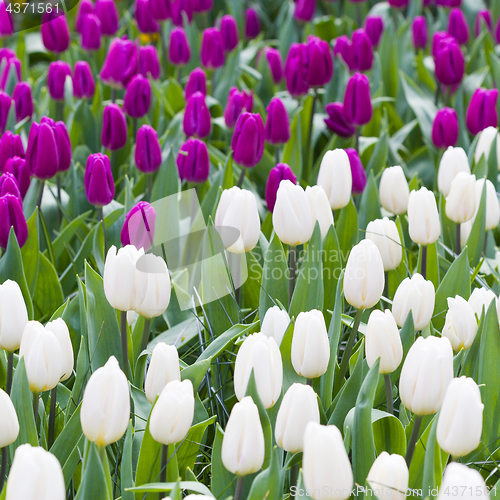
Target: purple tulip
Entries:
(149, 63)
(114, 128)
(497, 33)
(120, 64)
(281, 172)
(458, 27)
(8, 185)
(399, 4)
(419, 32)
(374, 26)
(98, 180)
(248, 140)
(56, 78)
(357, 102)
(449, 3)
(277, 123)
(193, 162)
(91, 32)
(5, 104)
(336, 121)
(304, 10)
(445, 128)
(63, 143)
(178, 7)
(83, 81)
(160, 9)
(229, 32)
(197, 119)
(482, 111)
(357, 171)
(450, 63)
(483, 18)
(6, 21)
(343, 48)
(212, 49)
(42, 155)
(202, 5)
(12, 65)
(252, 24)
(179, 51)
(137, 97)
(55, 32)
(139, 226)
(295, 70)
(197, 82)
(437, 40)
(10, 145)
(108, 15)
(275, 62)
(237, 103)
(319, 62)
(84, 7)
(11, 216)
(362, 51)
(18, 168)
(147, 150)
(144, 17)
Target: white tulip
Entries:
(388, 477)
(326, 469)
(275, 323)
(417, 295)
(9, 423)
(298, 408)
(173, 413)
(427, 372)
(364, 275)
(320, 208)
(59, 328)
(423, 217)
(238, 209)
(479, 298)
(335, 178)
(13, 315)
(384, 233)
(485, 142)
(35, 474)
(382, 340)
(163, 368)
(453, 161)
(492, 204)
(394, 191)
(292, 218)
(465, 229)
(310, 344)
(462, 483)
(460, 420)
(461, 202)
(262, 355)
(105, 411)
(243, 443)
(460, 326)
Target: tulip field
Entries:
(249, 249)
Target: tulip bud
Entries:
(63, 145)
(229, 32)
(59, 328)
(384, 233)
(44, 480)
(121, 61)
(482, 112)
(139, 226)
(304, 10)
(398, 4)
(144, 17)
(5, 104)
(292, 218)
(6, 21)
(450, 63)
(149, 63)
(237, 103)
(445, 128)
(275, 323)
(460, 325)
(197, 120)
(336, 121)
(427, 372)
(419, 32)
(358, 173)
(55, 32)
(364, 275)
(193, 162)
(203, 5)
(114, 128)
(310, 344)
(248, 140)
(343, 48)
(374, 26)
(8, 185)
(278, 173)
(108, 15)
(298, 408)
(320, 208)
(497, 33)
(147, 153)
(437, 39)
(277, 123)
(460, 478)
(197, 82)
(335, 177)
(23, 101)
(163, 368)
(458, 27)
(83, 81)
(357, 101)
(9, 424)
(43, 357)
(137, 97)
(91, 33)
(453, 161)
(13, 316)
(17, 167)
(275, 63)
(361, 51)
(485, 143)
(10, 145)
(84, 7)
(12, 67)
(160, 9)
(252, 24)
(326, 469)
(483, 19)
(98, 180)
(423, 217)
(492, 203)
(461, 201)
(295, 69)
(460, 420)
(212, 49)
(243, 443)
(417, 295)
(319, 67)
(11, 215)
(179, 51)
(105, 410)
(181, 8)
(389, 477)
(479, 298)
(238, 209)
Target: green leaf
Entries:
(127, 474)
(222, 481)
(30, 252)
(94, 484)
(196, 372)
(66, 235)
(332, 268)
(475, 242)
(160, 487)
(290, 376)
(269, 483)
(167, 179)
(347, 229)
(48, 294)
(369, 208)
(434, 462)
(378, 159)
(292, 151)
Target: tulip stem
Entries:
(164, 461)
(457, 239)
(134, 129)
(294, 475)
(41, 184)
(310, 149)
(424, 262)
(35, 405)
(242, 177)
(388, 393)
(123, 325)
(149, 187)
(291, 279)
(413, 439)
(309, 381)
(59, 111)
(145, 333)
(239, 487)
(10, 370)
(113, 95)
(100, 216)
(277, 154)
(386, 284)
(3, 470)
(356, 139)
(350, 345)
(52, 416)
